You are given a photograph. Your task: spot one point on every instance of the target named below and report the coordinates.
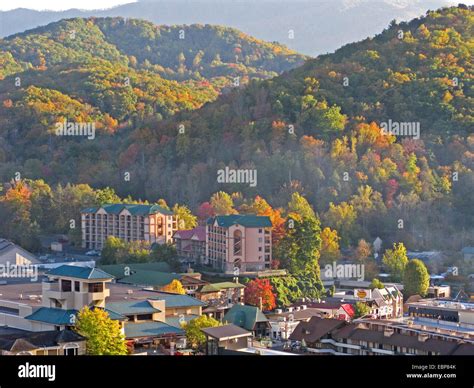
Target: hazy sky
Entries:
(58, 5)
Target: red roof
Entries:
(198, 233)
(348, 309)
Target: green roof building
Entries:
(249, 318)
(152, 224)
(238, 243)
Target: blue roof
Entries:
(247, 220)
(134, 209)
(73, 271)
(112, 314)
(53, 316)
(132, 307)
(150, 329)
(468, 250)
(177, 300)
(244, 316)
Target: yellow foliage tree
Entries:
(176, 287)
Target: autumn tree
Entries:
(395, 260)
(175, 287)
(376, 283)
(193, 329)
(342, 217)
(260, 291)
(104, 335)
(299, 205)
(363, 250)
(186, 219)
(222, 203)
(416, 278)
(329, 246)
(361, 309)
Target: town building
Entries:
(154, 275)
(373, 337)
(15, 342)
(12, 254)
(441, 291)
(148, 318)
(227, 339)
(249, 318)
(148, 223)
(284, 322)
(383, 303)
(191, 245)
(220, 297)
(449, 313)
(241, 243)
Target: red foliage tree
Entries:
(260, 288)
(205, 211)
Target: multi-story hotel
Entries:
(150, 223)
(239, 241)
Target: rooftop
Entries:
(198, 234)
(226, 332)
(247, 220)
(118, 270)
(360, 333)
(214, 287)
(53, 316)
(442, 304)
(244, 316)
(86, 273)
(134, 209)
(28, 340)
(314, 329)
(26, 293)
(132, 307)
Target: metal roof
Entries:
(53, 316)
(247, 220)
(73, 271)
(134, 209)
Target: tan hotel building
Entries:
(150, 223)
(239, 241)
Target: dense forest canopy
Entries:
(319, 130)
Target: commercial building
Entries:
(191, 245)
(373, 337)
(240, 243)
(149, 223)
(12, 254)
(250, 318)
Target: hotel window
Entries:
(77, 286)
(237, 242)
(260, 231)
(95, 287)
(66, 285)
(144, 317)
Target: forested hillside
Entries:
(316, 130)
(114, 71)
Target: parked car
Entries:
(93, 253)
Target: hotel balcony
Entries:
(52, 290)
